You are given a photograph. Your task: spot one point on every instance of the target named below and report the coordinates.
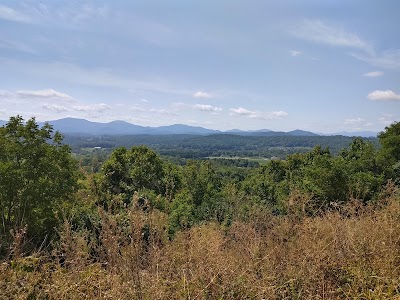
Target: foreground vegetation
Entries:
(315, 226)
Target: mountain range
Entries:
(85, 127)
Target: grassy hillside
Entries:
(351, 252)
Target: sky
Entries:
(324, 66)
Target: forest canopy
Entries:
(136, 205)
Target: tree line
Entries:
(41, 183)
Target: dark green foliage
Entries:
(201, 180)
(326, 179)
(390, 140)
(218, 189)
(390, 152)
(127, 171)
(37, 174)
(364, 168)
(172, 181)
(182, 213)
(219, 145)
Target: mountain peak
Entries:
(118, 127)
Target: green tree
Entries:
(390, 141)
(320, 174)
(37, 173)
(361, 156)
(365, 170)
(182, 212)
(172, 181)
(204, 186)
(390, 151)
(127, 171)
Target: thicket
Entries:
(314, 226)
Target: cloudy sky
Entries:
(324, 66)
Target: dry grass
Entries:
(352, 252)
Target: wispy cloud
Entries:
(354, 121)
(92, 108)
(77, 14)
(379, 95)
(17, 46)
(49, 93)
(240, 111)
(96, 77)
(205, 107)
(136, 108)
(374, 74)
(389, 59)
(279, 114)
(333, 35)
(386, 119)
(10, 14)
(54, 107)
(164, 111)
(320, 32)
(201, 94)
(294, 53)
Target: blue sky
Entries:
(324, 66)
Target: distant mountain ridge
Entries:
(356, 133)
(85, 127)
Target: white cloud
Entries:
(319, 32)
(92, 108)
(241, 112)
(54, 107)
(9, 14)
(386, 119)
(354, 121)
(279, 114)
(49, 93)
(257, 114)
(201, 94)
(5, 94)
(294, 53)
(383, 95)
(163, 111)
(205, 107)
(374, 74)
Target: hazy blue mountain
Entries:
(239, 131)
(356, 133)
(82, 127)
(184, 129)
(299, 132)
(123, 127)
(235, 131)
